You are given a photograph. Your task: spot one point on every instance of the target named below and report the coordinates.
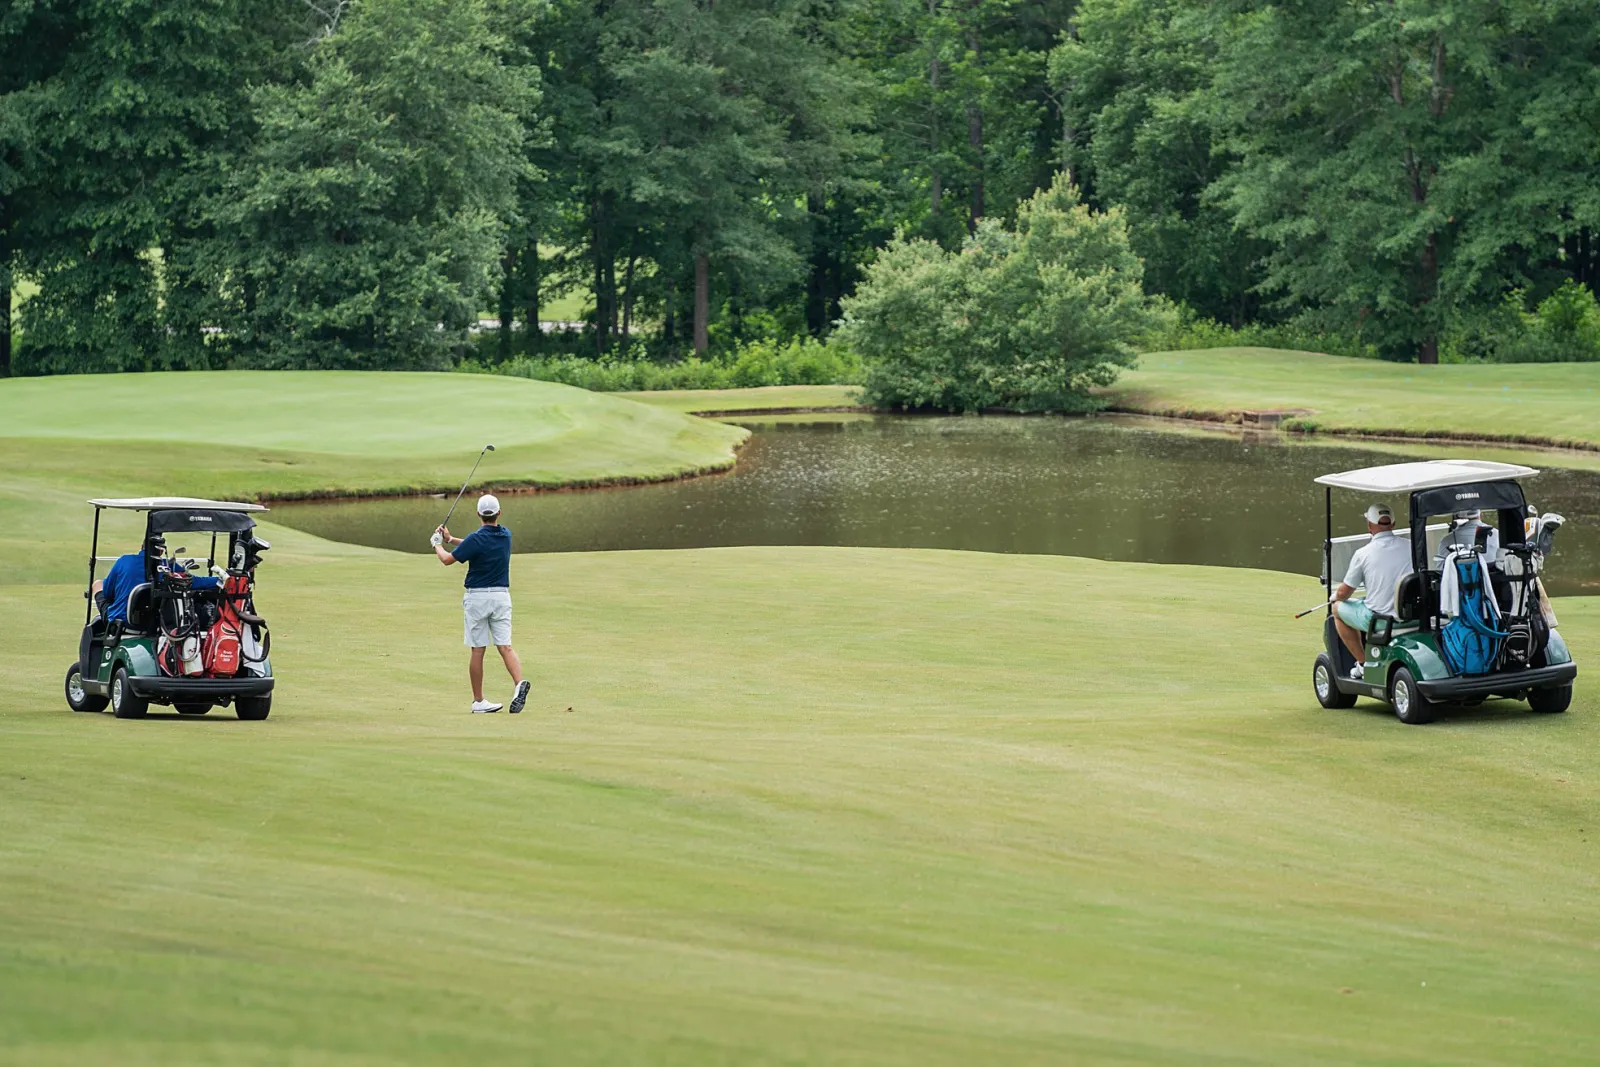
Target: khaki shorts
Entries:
(488, 617)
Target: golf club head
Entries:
(488, 448)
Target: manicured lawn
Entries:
(284, 434)
(1538, 403)
(765, 398)
(834, 806)
(810, 806)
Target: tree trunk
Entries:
(669, 319)
(5, 290)
(936, 191)
(975, 139)
(1429, 352)
(627, 289)
(611, 295)
(702, 303)
(602, 320)
(1438, 100)
(975, 146)
(5, 327)
(530, 266)
(817, 279)
(508, 304)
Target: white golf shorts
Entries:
(488, 617)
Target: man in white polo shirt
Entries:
(1377, 568)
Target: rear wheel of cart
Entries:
(77, 698)
(1551, 701)
(253, 709)
(1410, 706)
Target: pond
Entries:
(1111, 487)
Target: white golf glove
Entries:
(437, 539)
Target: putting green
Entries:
(809, 806)
(1538, 403)
(286, 434)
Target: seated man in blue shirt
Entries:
(128, 572)
(487, 602)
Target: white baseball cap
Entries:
(488, 504)
(1378, 512)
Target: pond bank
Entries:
(1544, 405)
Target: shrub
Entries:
(1029, 319)
(799, 362)
(1189, 330)
(1564, 328)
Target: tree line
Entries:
(352, 183)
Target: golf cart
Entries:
(1491, 634)
(193, 649)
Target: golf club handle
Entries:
(1308, 611)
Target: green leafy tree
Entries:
(127, 99)
(364, 227)
(1029, 319)
(1135, 81)
(1378, 145)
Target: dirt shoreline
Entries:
(1288, 427)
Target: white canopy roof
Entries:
(166, 503)
(1427, 474)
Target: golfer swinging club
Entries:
(487, 602)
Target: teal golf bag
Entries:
(1471, 637)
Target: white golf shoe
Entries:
(484, 707)
(520, 696)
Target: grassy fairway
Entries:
(811, 805)
(834, 806)
(1548, 403)
(768, 398)
(285, 434)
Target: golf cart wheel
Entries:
(124, 704)
(1551, 701)
(192, 709)
(1328, 694)
(77, 699)
(253, 709)
(1410, 706)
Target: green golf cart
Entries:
(170, 639)
(1493, 633)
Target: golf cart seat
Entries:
(1416, 596)
(141, 609)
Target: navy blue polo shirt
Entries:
(487, 553)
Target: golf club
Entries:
(1308, 611)
(457, 500)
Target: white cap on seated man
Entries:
(1377, 567)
